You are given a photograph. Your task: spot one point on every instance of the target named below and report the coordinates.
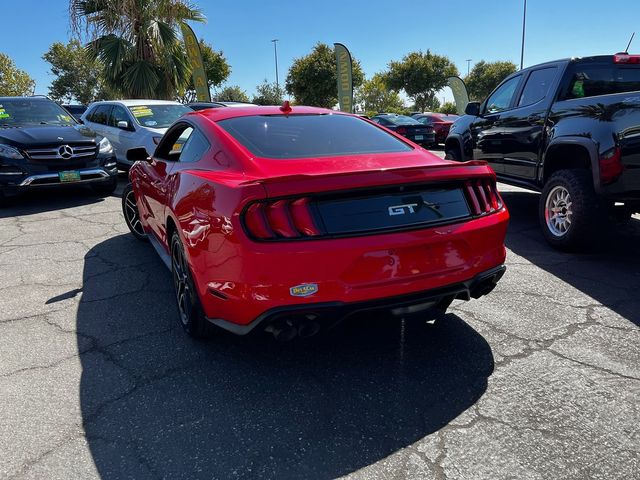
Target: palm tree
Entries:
(137, 42)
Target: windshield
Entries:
(449, 118)
(17, 112)
(305, 136)
(158, 116)
(402, 120)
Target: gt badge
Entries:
(304, 290)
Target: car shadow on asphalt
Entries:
(610, 274)
(156, 403)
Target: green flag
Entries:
(195, 58)
(460, 94)
(345, 79)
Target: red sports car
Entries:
(286, 219)
(440, 122)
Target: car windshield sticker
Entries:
(151, 123)
(3, 114)
(141, 111)
(64, 118)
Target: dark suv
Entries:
(569, 129)
(42, 145)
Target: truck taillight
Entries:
(483, 196)
(611, 165)
(280, 219)
(626, 58)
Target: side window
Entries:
(101, 114)
(537, 86)
(194, 148)
(118, 114)
(183, 144)
(501, 99)
(587, 80)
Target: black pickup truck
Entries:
(569, 129)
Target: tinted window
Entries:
(449, 118)
(28, 111)
(401, 120)
(537, 86)
(100, 114)
(304, 136)
(118, 114)
(194, 147)
(425, 120)
(158, 116)
(592, 80)
(501, 99)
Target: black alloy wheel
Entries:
(131, 214)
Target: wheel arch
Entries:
(570, 152)
(454, 142)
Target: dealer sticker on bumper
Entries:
(304, 290)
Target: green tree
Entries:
(313, 79)
(375, 96)
(268, 94)
(485, 76)
(13, 81)
(78, 74)
(421, 76)
(232, 93)
(216, 68)
(137, 42)
(448, 107)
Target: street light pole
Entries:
(468, 65)
(275, 52)
(524, 22)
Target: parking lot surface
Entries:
(538, 380)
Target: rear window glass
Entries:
(401, 120)
(305, 136)
(601, 79)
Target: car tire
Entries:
(104, 189)
(571, 214)
(190, 311)
(452, 154)
(131, 214)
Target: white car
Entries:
(132, 123)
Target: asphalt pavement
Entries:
(538, 380)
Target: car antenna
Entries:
(629, 44)
(286, 107)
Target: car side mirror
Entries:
(123, 124)
(472, 108)
(138, 154)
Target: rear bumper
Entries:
(332, 313)
(242, 281)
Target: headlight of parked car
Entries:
(7, 151)
(105, 146)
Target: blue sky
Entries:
(375, 31)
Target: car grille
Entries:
(58, 153)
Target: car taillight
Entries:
(626, 58)
(281, 219)
(483, 196)
(401, 131)
(611, 165)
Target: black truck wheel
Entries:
(571, 215)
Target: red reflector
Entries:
(256, 222)
(626, 58)
(302, 218)
(611, 166)
(484, 204)
(279, 219)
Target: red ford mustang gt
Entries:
(286, 219)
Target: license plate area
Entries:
(69, 176)
(419, 137)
